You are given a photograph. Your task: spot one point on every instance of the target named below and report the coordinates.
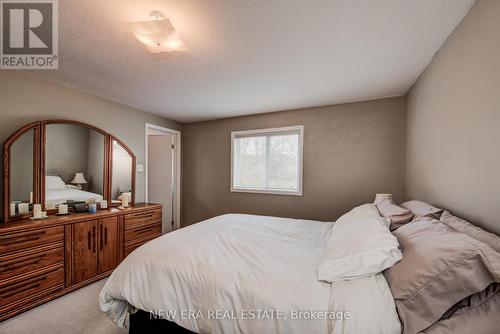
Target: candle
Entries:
(50, 206)
(63, 209)
(125, 200)
(103, 204)
(37, 211)
(13, 207)
(23, 208)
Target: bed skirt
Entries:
(142, 323)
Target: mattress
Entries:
(246, 274)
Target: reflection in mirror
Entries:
(74, 164)
(21, 174)
(121, 183)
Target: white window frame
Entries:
(266, 132)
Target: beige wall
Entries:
(453, 149)
(25, 97)
(351, 151)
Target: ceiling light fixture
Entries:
(157, 34)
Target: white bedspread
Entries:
(235, 265)
(58, 196)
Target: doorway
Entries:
(162, 173)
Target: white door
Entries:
(160, 175)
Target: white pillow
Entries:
(54, 183)
(362, 211)
(360, 245)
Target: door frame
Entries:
(149, 128)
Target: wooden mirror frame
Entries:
(110, 169)
(36, 127)
(43, 151)
(39, 150)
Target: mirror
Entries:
(122, 179)
(51, 162)
(74, 164)
(22, 174)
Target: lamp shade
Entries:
(79, 179)
(382, 197)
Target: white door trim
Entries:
(177, 168)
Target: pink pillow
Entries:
(477, 233)
(398, 215)
(422, 209)
(440, 267)
(477, 314)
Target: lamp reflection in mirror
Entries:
(157, 34)
(79, 179)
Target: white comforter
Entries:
(215, 276)
(58, 196)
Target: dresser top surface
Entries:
(54, 220)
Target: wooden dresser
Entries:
(44, 259)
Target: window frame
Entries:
(267, 133)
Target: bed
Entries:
(58, 192)
(63, 195)
(244, 274)
(380, 268)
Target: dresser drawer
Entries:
(28, 285)
(130, 248)
(30, 238)
(23, 262)
(132, 245)
(150, 231)
(139, 219)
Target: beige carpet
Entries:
(75, 313)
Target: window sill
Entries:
(267, 191)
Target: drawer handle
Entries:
(19, 240)
(26, 288)
(21, 263)
(144, 229)
(31, 234)
(100, 238)
(145, 215)
(95, 242)
(13, 289)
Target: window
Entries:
(267, 161)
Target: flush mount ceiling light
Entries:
(157, 34)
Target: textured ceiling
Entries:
(250, 57)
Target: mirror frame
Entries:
(36, 127)
(39, 163)
(110, 169)
(43, 151)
